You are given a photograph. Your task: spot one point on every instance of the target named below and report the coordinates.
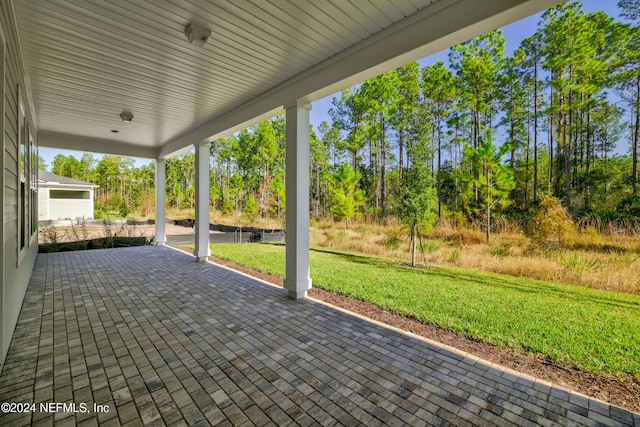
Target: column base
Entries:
(160, 242)
(202, 257)
(297, 290)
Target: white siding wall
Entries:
(43, 204)
(72, 209)
(16, 267)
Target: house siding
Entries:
(43, 203)
(72, 209)
(17, 265)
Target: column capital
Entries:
(299, 104)
(201, 143)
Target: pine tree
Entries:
(346, 198)
(489, 177)
(438, 89)
(417, 196)
(379, 96)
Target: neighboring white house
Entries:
(60, 197)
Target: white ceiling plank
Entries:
(50, 34)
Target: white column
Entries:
(297, 280)
(202, 250)
(161, 167)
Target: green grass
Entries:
(587, 328)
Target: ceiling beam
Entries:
(430, 30)
(93, 145)
(222, 126)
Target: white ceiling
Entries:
(88, 60)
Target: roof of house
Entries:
(49, 177)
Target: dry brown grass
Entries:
(596, 260)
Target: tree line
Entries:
(486, 132)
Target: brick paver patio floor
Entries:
(158, 339)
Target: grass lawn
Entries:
(591, 329)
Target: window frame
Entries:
(20, 177)
(26, 238)
(33, 145)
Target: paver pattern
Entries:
(161, 340)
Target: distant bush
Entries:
(552, 227)
(630, 207)
(227, 207)
(251, 209)
(501, 250)
(124, 209)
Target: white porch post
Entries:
(202, 250)
(161, 167)
(297, 280)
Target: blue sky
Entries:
(513, 33)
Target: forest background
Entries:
(541, 139)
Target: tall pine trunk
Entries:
(400, 152)
(568, 149)
(383, 169)
(636, 134)
(439, 188)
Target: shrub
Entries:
(227, 207)
(501, 250)
(124, 209)
(460, 220)
(465, 236)
(552, 227)
(393, 239)
(622, 257)
(579, 265)
(630, 207)
(251, 209)
(453, 255)
(431, 245)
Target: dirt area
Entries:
(75, 233)
(623, 391)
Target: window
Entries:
(27, 185)
(69, 194)
(22, 168)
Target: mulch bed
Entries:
(622, 390)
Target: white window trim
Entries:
(33, 189)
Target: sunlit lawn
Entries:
(593, 329)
